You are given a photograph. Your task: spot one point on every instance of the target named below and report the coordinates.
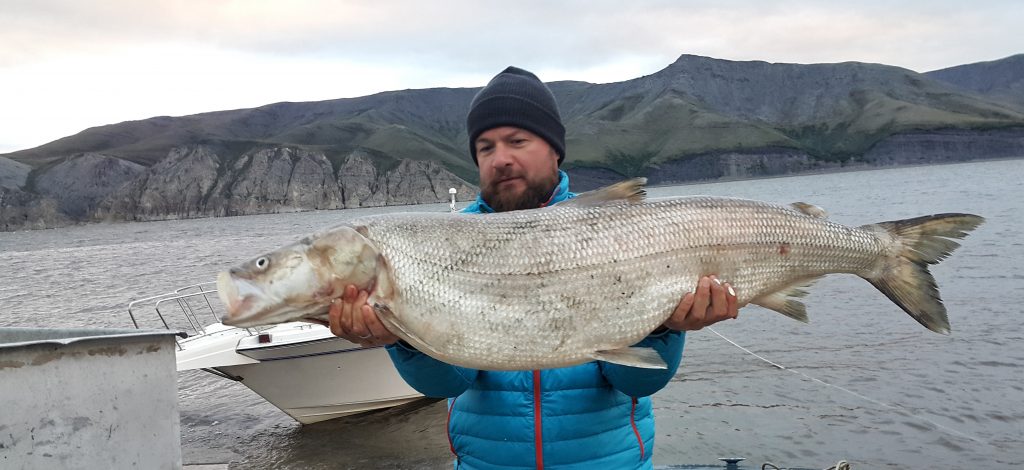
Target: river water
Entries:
(862, 382)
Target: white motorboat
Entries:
(299, 367)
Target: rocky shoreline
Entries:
(907, 149)
(200, 181)
(197, 181)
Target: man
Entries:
(594, 415)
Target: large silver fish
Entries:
(584, 279)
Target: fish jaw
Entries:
(300, 280)
(227, 292)
(290, 294)
(244, 302)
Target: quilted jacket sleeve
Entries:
(637, 382)
(427, 375)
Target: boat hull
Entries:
(302, 369)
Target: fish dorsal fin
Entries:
(630, 191)
(810, 209)
(784, 300)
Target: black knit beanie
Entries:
(516, 98)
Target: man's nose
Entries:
(502, 155)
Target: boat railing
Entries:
(192, 303)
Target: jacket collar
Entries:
(560, 194)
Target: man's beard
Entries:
(533, 196)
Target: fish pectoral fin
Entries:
(784, 301)
(645, 358)
(630, 191)
(810, 209)
(390, 321)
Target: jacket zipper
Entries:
(448, 431)
(538, 441)
(632, 421)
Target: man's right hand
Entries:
(354, 319)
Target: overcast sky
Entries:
(66, 65)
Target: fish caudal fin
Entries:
(907, 281)
(646, 358)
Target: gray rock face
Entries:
(21, 210)
(176, 187)
(913, 148)
(419, 182)
(81, 181)
(357, 179)
(710, 166)
(274, 180)
(736, 165)
(195, 182)
(12, 173)
(411, 182)
(946, 146)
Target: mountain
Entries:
(697, 119)
(1000, 80)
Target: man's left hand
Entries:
(712, 302)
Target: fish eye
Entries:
(262, 263)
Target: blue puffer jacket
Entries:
(595, 415)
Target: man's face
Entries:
(518, 169)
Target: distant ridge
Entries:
(699, 118)
(1002, 80)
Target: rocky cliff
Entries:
(946, 146)
(12, 173)
(80, 182)
(197, 181)
(21, 209)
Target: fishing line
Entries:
(898, 409)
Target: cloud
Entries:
(465, 33)
(66, 65)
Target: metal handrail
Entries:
(134, 302)
(193, 286)
(192, 319)
(180, 296)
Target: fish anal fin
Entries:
(784, 300)
(630, 191)
(810, 209)
(645, 358)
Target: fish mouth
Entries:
(240, 298)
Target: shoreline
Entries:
(685, 183)
(832, 171)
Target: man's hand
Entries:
(354, 319)
(712, 302)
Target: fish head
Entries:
(299, 280)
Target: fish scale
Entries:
(570, 280)
(586, 278)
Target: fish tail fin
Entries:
(922, 241)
